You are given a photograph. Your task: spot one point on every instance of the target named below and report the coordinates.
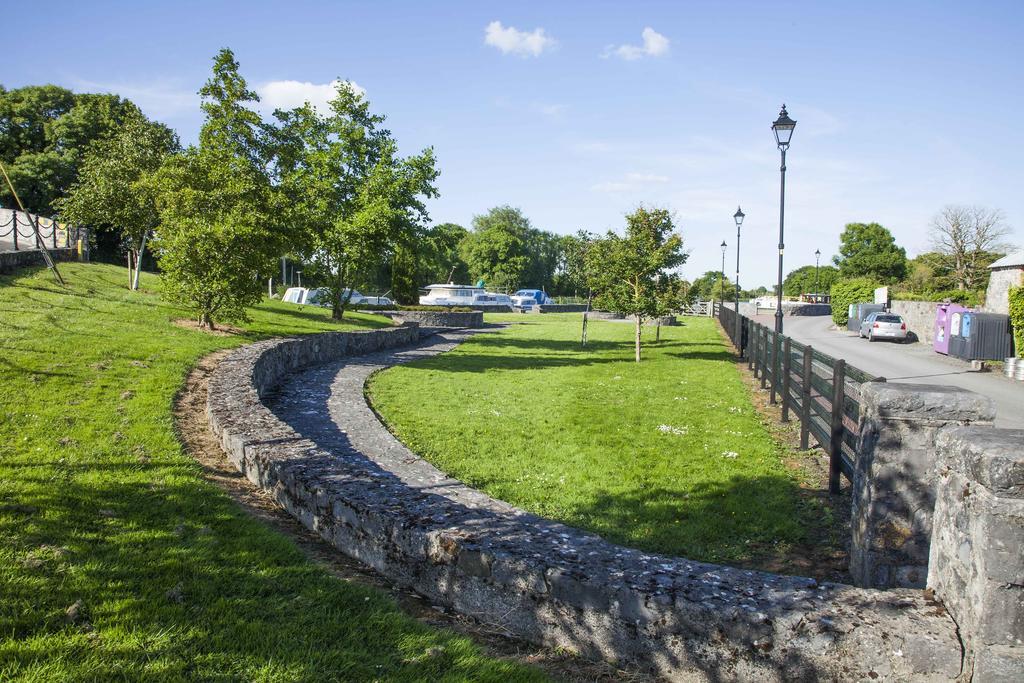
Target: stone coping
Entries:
(291, 415)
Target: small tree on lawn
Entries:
(114, 188)
(216, 240)
(628, 272)
(354, 199)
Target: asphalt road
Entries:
(914, 363)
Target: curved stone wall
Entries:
(464, 319)
(364, 492)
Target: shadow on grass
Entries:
(179, 584)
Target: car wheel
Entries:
(871, 337)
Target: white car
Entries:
(882, 325)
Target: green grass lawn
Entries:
(100, 506)
(668, 455)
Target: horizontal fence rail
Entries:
(21, 231)
(822, 392)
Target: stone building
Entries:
(1005, 273)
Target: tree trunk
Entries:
(138, 261)
(657, 332)
(205, 321)
(337, 306)
(639, 328)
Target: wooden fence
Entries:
(820, 391)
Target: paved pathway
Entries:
(914, 363)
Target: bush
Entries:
(957, 296)
(1017, 318)
(846, 292)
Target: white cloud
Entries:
(511, 40)
(551, 109)
(631, 182)
(159, 99)
(655, 45)
(290, 94)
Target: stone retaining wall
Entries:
(470, 319)
(11, 261)
(977, 552)
(545, 582)
(919, 316)
(560, 308)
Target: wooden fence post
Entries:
(835, 447)
(805, 403)
(775, 366)
(786, 351)
(751, 331)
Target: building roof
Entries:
(1015, 258)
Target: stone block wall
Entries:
(919, 316)
(893, 484)
(11, 261)
(997, 296)
(976, 566)
(548, 583)
(464, 319)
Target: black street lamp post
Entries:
(783, 129)
(723, 271)
(817, 262)
(738, 217)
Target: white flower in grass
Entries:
(730, 454)
(669, 429)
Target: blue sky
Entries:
(577, 112)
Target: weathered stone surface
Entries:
(442, 319)
(310, 439)
(893, 484)
(976, 565)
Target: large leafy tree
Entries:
(968, 239)
(869, 250)
(804, 279)
(45, 133)
(216, 239)
(438, 255)
(114, 185)
(356, 202)
(631, 274)
(498, 248)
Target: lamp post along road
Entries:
(724, 246)
(783, 129)
(817, 262)
(738, 217)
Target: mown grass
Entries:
(100, 508)
(668, 455)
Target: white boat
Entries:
(462, 295)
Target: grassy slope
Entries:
(640, 454)
(99, 504)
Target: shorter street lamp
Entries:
(300, 277)
(738, 217)
(817, 261)
(724, 246)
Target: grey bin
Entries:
(981, 336)
(857, 313)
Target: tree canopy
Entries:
(114, 188)
(45, 133)
(967, 239)
(802, 280)
(631, 274)
(869, 250)
(216, 237)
